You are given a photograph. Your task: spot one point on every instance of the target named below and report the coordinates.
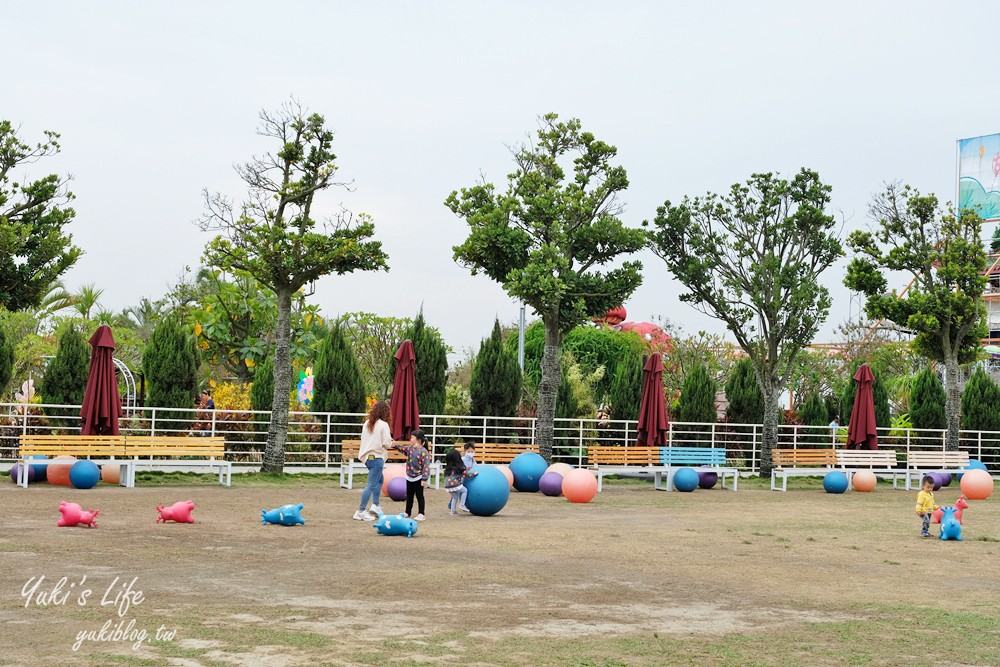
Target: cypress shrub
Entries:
(6, 360)
(170, 364)
(927, 401)
(431, 368)
(697, 400)
(65, 379)
(625, 390)
(981, 403)
(337, 382)
(495, 386)
(746, 402)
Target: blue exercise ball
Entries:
(974, 464)
(16, 470)
(835, 482)
(686, 479)
(527, 468)
(84, 474)
(41, 469)
(488, 491)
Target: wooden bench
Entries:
(197, 451)
(800, 463)
(107, 449)
(615, 459)
(706, 457)
(918, 463)
(881, 461)
(493, 452)
(349, 463)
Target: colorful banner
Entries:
(979, 175)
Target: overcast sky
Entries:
(155, 101)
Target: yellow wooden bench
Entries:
(150, 450)
(614, 459)
(494, 452)
(349, 463)
(919, 463)
(108, 449)
(800, 463)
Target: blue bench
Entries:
(684, 457)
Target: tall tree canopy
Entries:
(273, 236)
(545, 236)
(34, 248)
(170, 364)
(337, 384)
(495, 387)
(752, 258)
(375, 339)
(943, 254)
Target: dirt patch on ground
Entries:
(634, 561)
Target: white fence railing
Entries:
(314, 437)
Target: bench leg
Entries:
(736, 480)
(773, 481)
(600, 480)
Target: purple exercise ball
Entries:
(551, 484)
(936, 477)
(397, 488)
(17, 467)
(945, 478)
(707, 478)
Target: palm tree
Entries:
(55, 299)
(144, 316)
(87, 299)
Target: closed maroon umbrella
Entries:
(404, 413)
(653, 422)
(861, 433)
(102, 406)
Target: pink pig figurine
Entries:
(179, 512)
(73, 514)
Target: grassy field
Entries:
(635, 578)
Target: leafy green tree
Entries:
(545, 236)
(375, 339)
(981, 402)
(944, 254)
(752, 258)
(430, 373)
(87, 299)
(813, 412)
(697, 400)
(170, 364)
(337, 383)
(880, 397)
(927, 401)
(273, 237)
(6, 362)
(495, 387)
(34, 248)
(65, 379)
(746, 402)
(262, 390)
(625, 392)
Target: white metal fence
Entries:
(314, 437)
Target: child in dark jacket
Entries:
(418, 470)
(455, 474)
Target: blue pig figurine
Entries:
(951, 529)
(395, 525)
(286, 515)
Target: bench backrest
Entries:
(349, 450)
(498, 452)
(72, 445)
(807, 458)
(861, 458)
(937, 460)
(612, 455)
(155, 445)
(705, 456)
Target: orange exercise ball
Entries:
(864, 481)
(506, 473)
(392, 472)
(579, 486)
(977, 484)
(58, 473)
(111, 473)
(561, 468)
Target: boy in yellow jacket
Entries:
(925, 505)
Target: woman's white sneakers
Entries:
(362, 515)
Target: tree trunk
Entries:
(548, 386)
(769, 437)
(953, 403)
(277, 431)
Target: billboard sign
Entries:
(979, 176)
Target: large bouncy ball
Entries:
(936, 477)
(111, 473)
(488, 491)
(528, 468)
(977, 485)
(686, 479)
(551, 484)
(562, 468)
(39, 468)
(506, 473)
(945, 478)
(579, 486)
(84, 474)
(391, 472)
(974, 464)
(835, 482)
(864, 481)
(707, 478)
(58, 470)
(396, 489)
(15, 472)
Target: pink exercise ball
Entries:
(562, 468)
(391, 472)
(864, 481)
(111, 473)
(506, 473)
(977, 484)
(579, 486)
(58, 470)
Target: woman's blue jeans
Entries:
(374, 486)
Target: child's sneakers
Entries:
(465, 509)
(926, 535)
(419, 517)
(453, 513)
